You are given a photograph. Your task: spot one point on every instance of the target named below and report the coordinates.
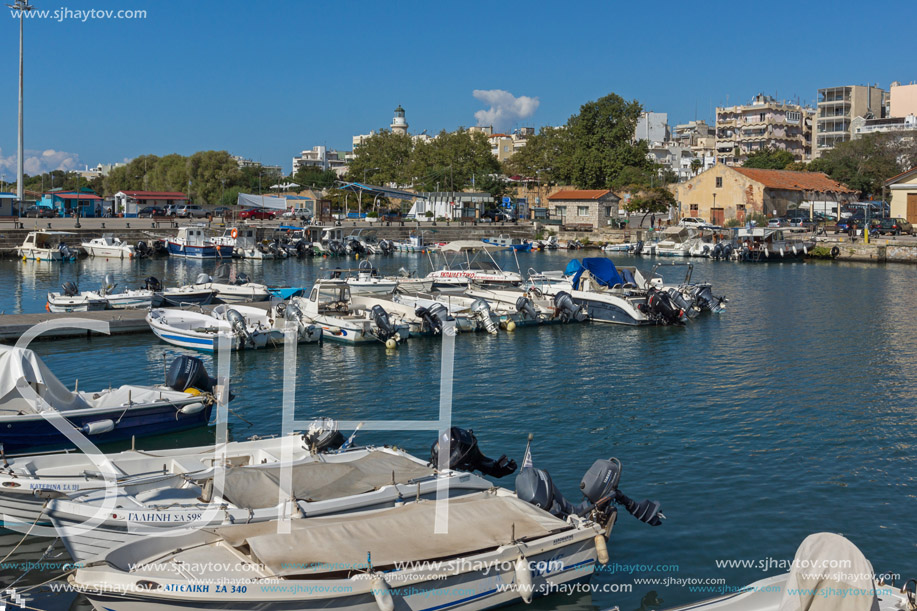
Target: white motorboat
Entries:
(238, 288)
(202, 331)
(46, 246)
(622, 247)
(368, 282)
(179, 296)
(757, 244)
(70, 299)
(676, 242)
(274, 318)
(498, 546)
(816, 583)
(108, 415)
(109, 247)
(413, 243)
(463, 264)
(244, 243)
(329, 306)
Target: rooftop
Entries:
(155, 194)
(579, 194)
(794, 181)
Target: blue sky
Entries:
(267, 80)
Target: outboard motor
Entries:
(65, 251)
(481, 311)
(107, 285)
(525, 307)
(717, 252)
(386, 247)
(142, 249)
(705, 300)
(600, 487)
(356, 247)
(464, 454)
(728, 249)
(203, 279)
(323, 435)
(243, 278)
(434, 316)
(385, 330)
(189, 372)
(160, 248)
(568, 308)
(678, 298)
(152, 284)
(70, 289)
(659, 305)
(638, 249)
(237, 322)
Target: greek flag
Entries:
(527, 460)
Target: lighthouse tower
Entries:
(399, 125)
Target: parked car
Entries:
(843, 225)
(894, 226)
(190, 211)
(151, 211)
(39, 212)
(801, 221)
(775, 223)
(258, 214)
(496, 216)
(694, 221)
(221, 211)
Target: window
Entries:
(761, 117)
(560, 211)
(609, 210)
(582, 211)
(740, 207)
(719, 182)
(693, 208)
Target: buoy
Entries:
(234, 233)
(511, 326)
(382, 594)
(524, 579)
(358, 255)
(391, 344)
(601, 549)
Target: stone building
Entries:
(598, 208)
(723, 193)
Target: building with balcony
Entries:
(837, 108)
(321, 158)
(700, 138)
(763, 124)
(902, 126)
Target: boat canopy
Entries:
(470, 246)
(602, 269)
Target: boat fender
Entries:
(524, 579)
(835, 251)
(191, 408)
(98, 427)
(601, 549)
(47, 307)
(391, 344)
(510, 326)
(766, 253)
(781, 252)
(383, 594)
(794, 250)
(805, 250)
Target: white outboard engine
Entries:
(237, 322)
(70, 289)
(464, 454)
(435, 316)
(203, 279)
(481, 311)
(189, 372)
(600, 487)
(568, 309)
(107, 285)
(525, 307)
(152, 284)
(385, 330)
(65, 251)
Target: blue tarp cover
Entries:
(287, 292)
(602, 269)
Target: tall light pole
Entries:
(22, 6)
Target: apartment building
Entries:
(762, 124)
(322, 158)
(700, 138)
(837, 108)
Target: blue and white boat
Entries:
(31, 397)
(195, 243)
(509, 242)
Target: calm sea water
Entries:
(791, 413)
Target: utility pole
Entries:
(22, 6)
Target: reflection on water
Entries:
(790, 413)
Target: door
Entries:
(912, 208)
(740, 214)
(717, 216)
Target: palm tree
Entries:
(696, 165)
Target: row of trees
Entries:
(863, 164)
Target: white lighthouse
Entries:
(399, 124)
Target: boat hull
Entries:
(40, 254)
(109, 252)
(610, 310)
(210, 251)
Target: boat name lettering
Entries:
(162, 517)
(187, 587)
(54, 487)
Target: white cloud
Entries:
(37, 162)
(505, 108)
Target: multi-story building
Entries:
(902, 100)
(652, 127)
(901, 126)
(701, 139)
(837, 107)
(321, 158)
(244, 162)
(102, 169)
(763, 124)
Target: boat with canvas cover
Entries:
(497, 548)
(812, 585)
(233, 288)
(27, 481)
(31, 397)
(333, 482)
(463, 264)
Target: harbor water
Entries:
(790, 413)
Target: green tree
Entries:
(653, 200)
(546, 157)
(453, 161)
(384, 157)
(769, 159)
(315, 178)
(696, 165)
(866, 163)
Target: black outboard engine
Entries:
(568, 308)
(704, 298)
(243, 278)
(525, 307)
(70, 289)
(660, 306)
(356, 247)
(142, 249)
(600, 487)
(638, 249)
(679, 300)
(435, 316)
(464, 454)
(717, 252)
(384, 327)
(189, 372)
(160, 248)
(152, 284)
(386, 247)
(323, 436)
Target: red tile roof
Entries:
(901, 175)
(794, 181)
(155, 194)
(579, 194)
(65, 195)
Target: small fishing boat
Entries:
(503, 241)
(623, 247)
(46, 246)
(237, 288)
(463, 264)
(274, 318)
(499, 545)
(368, 282)
(759, 244)
(202, 331)
(329, 306)
(109, 247)
(30, 394)
(179, 296)
(70, 299)
(195, 242)
(414, 243)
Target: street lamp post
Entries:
(22, 6)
